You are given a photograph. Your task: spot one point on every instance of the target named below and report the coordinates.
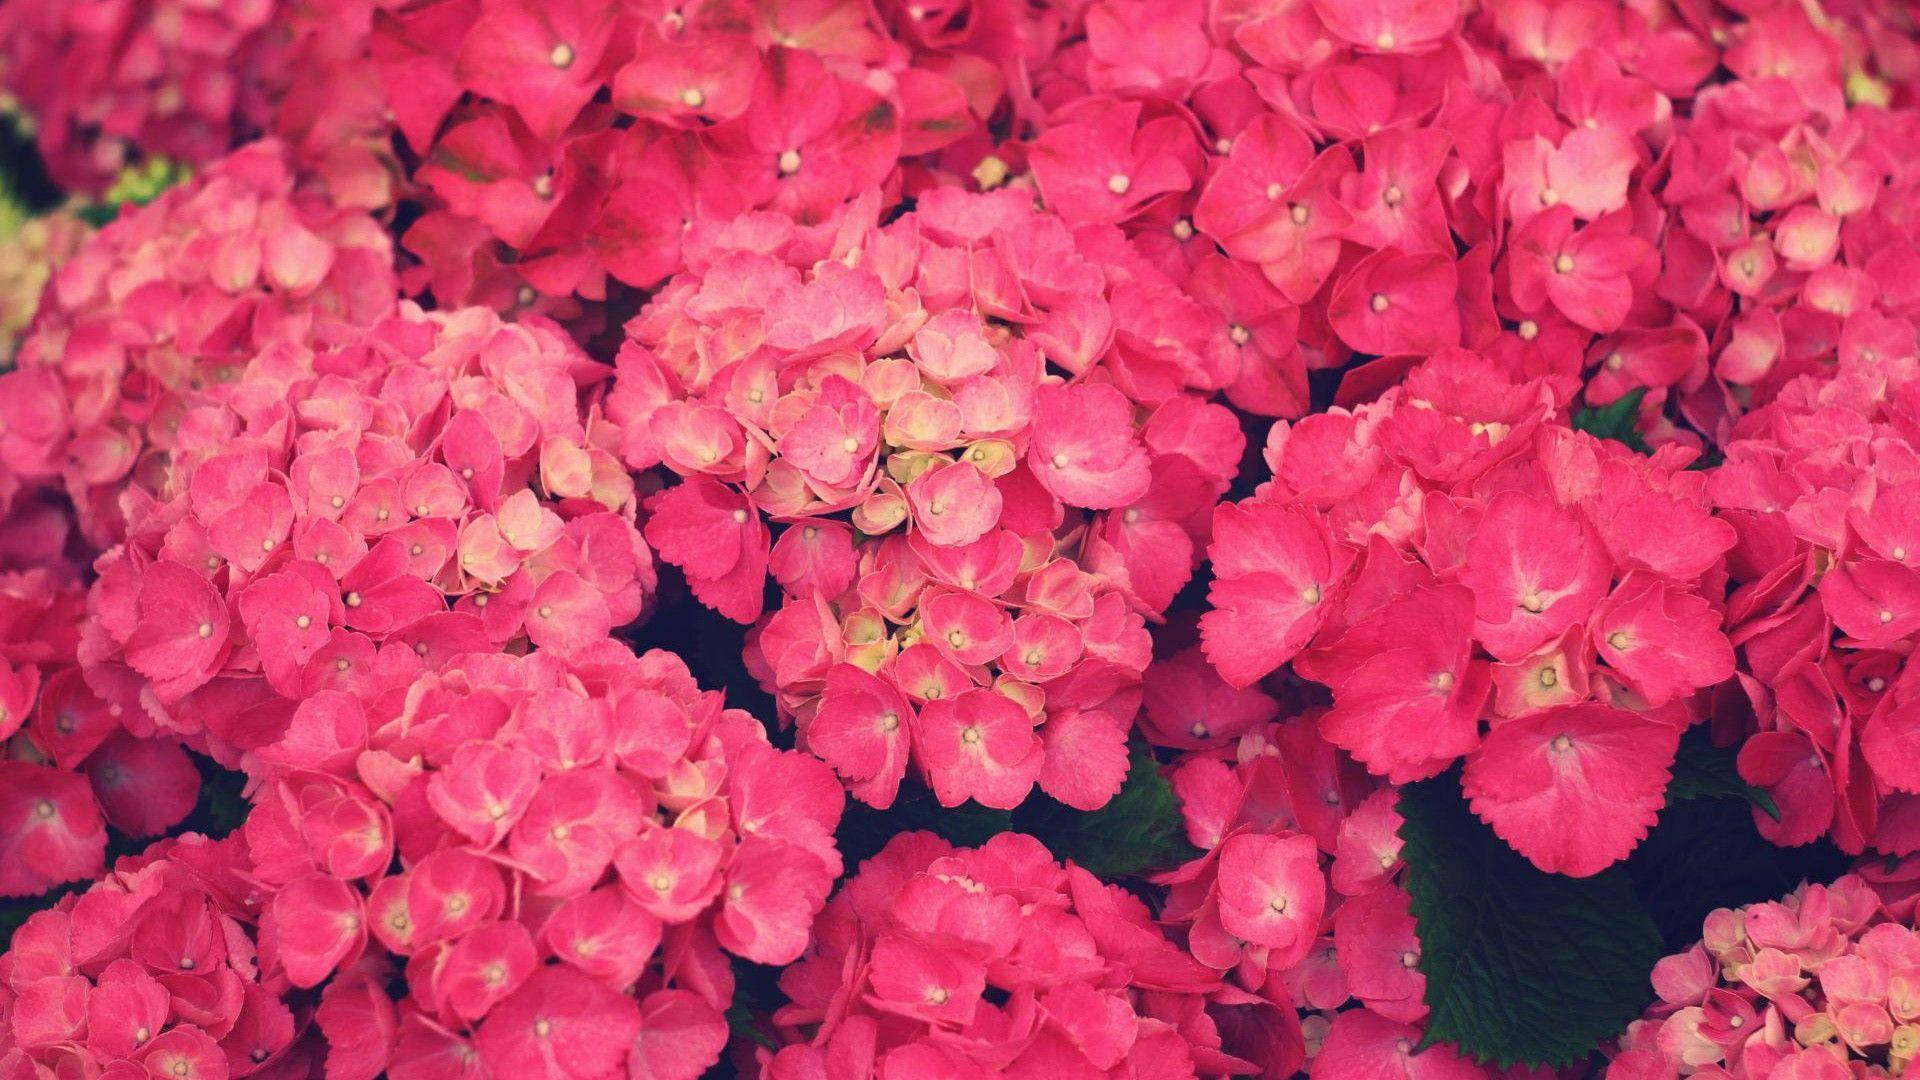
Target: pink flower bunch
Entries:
(110, 84)
(1471, 579)
(1822, 487)
(316, 507)
(332, 521)
(563, 143)
(321, 89)
(524, 837)
(1823, 983)
(152, 972)
(168, 301)
(968, 545)
(1565, 187)
(1295, 898)
(66, 771)
(1000, 962)
(1788, 196)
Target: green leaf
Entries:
(1706, 853)
(137, 185)
(1139, 830)
(1522, 967)
(1615, 420)
(223, 806)
(864, 830)
(1702, 770)
(756, 992)
(740, 1022)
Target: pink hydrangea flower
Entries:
(153, 968)
(929, 942)
(911, 336)
(602, 145)
(298, 554)
(1414, 596)
(546, 845)
(1295, 900)
(170, 301)
(1813, 984)
(1016, 529)
(126, 84)
(1829, 657)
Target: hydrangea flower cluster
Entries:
(968, 545)
(113, 84)
(1813, 402)
(109, 84)
(568, 144)
(1788, 199)
(554, 851)
(337, 518)
(1296, 899)
(153, 971)
(312, 492)
(325, 526)
(1822, 485)
(1818, 984)
(54, 814)
(169, 301)
(1471, 579)
(998, 961)
(64, 780)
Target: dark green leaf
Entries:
(1702, 770)
(756, 993)
(1706, 853)
(1522, 967)
(740, 1022)
(1615, 420)
(864, 830)
(222, 807)
(1139, 830)
(98, 215)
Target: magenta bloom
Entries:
(1722, 1002)
(931, 474)
(959, 941)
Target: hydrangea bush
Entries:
(1148, 539)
